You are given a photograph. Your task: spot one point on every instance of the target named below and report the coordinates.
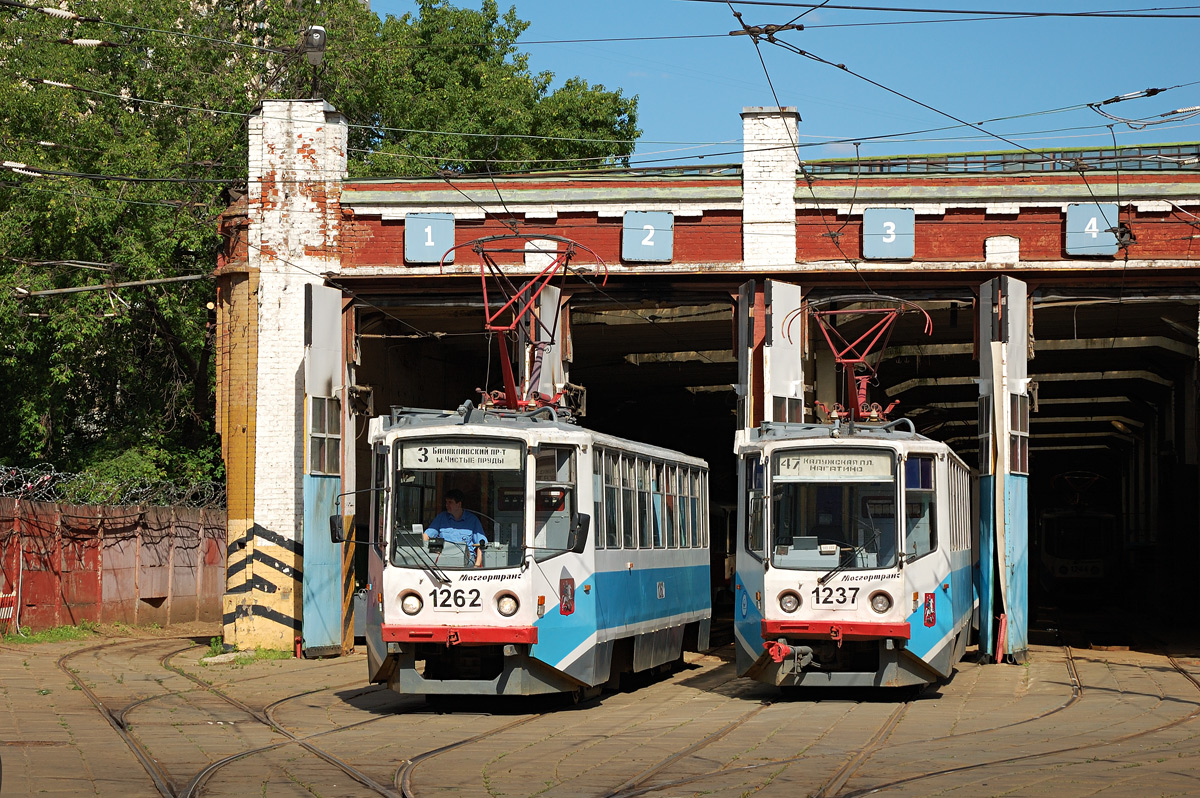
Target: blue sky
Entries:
(691, 91)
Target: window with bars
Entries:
(324, 435)
(985, 435)
(1019, 413)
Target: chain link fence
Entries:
(46, 484)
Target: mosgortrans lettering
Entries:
(487, 577)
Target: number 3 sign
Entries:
(648, 236)
(888, 233)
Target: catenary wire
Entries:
(1143, 13)
(833, 237)
(790, 48)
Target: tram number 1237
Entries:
(457, 599)
(835, 597)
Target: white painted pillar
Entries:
(297, 162)
(769, 165)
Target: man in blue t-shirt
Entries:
(459, 525)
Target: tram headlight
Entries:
(507, 605)
(411, 603)
(789, 601)
(881, 602)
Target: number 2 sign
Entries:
(1090, 228)
(648, 236)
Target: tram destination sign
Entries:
(844, 464)
(461, 455)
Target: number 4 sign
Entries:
(1091, 229)
(648, 236)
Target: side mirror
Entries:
(577, 540)
(337, 529)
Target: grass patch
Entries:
(81, 631)
(262, 655)
(251, 656)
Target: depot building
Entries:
(1061, 362)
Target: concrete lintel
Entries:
(818, 267)
(1036, 419)
(1027, 195)
(558, 197)
(1135, 342)
(709, 356)
(707, 312)
(1073, 376)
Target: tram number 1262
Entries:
(457, 599)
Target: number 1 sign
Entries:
(1090, 229)
(648, 236)
(888, 233)
(427, 236)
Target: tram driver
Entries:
(459, 525)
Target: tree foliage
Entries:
(130, 170)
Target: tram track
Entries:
(169, 786)
(631, 787)
(835, 783)
(163, 782)
(1114, 741)
(403, 777)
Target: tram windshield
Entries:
(458, 503)
(833, 508)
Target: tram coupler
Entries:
(778, 649)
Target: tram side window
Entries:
(554, 508)
(612, 503)
(379, 508)
(685, 515)
(628, 503)
(643, 490)
(598, 497)
(670, 499)
(694, 509)
(755, 539)
(657, 486)
(920, 528)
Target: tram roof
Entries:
(543, 419)
(891, 431)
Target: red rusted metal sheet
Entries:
(74, 563)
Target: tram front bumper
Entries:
(460, 635)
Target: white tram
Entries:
(856, 558)
(596, 561)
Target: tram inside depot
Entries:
(1112, 438)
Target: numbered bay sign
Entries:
(888, 233)
(1089, 229)
(648, 236)
(427, 236)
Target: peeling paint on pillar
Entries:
(291, 235)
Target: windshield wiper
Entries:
(844, 564)
(430, 565)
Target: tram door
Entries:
(926, 545)
(379, 665)
(770, 338)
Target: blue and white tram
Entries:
(596, 560)
(856, 557)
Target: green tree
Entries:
(128, 171)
